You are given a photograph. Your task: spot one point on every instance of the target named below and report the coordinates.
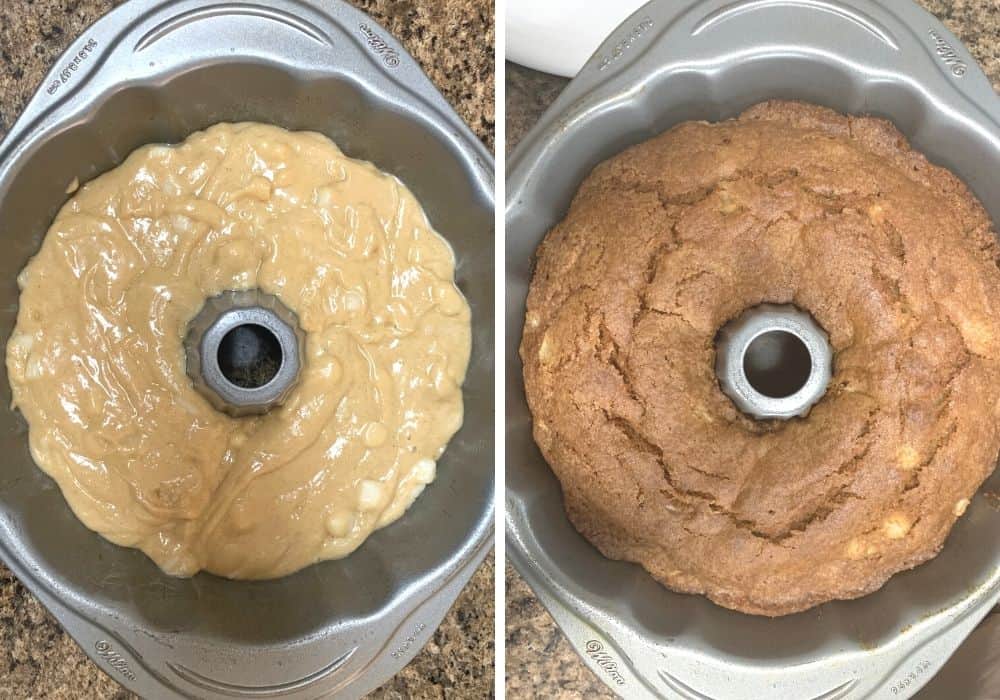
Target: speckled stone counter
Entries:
(453, 41)
(540, 662)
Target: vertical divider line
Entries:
(500, 158)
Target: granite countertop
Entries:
(453, 41)
(540, 662)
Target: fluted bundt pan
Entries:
(711, 59)
(155, 71)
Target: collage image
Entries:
(470, 349)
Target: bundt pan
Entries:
(674, 61)
(155, 71)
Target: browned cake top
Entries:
(788, 204)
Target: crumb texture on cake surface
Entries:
(789, 203)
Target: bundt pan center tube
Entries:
(155, 71)
(243, 352)
(710, 60)
(773, 361)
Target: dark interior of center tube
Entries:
(777, 364)
(249, 356)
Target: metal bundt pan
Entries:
(155, 71)
(670, 62)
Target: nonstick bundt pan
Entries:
(155, 71)
(673, 61)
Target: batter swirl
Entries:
(96, 361)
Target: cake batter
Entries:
(97, 366)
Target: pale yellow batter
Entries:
(96, 362)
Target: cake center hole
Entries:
(777, 364)
(250, 356)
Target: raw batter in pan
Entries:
(97, 365)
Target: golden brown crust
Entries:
(665, 243)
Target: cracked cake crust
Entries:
(663, 244)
